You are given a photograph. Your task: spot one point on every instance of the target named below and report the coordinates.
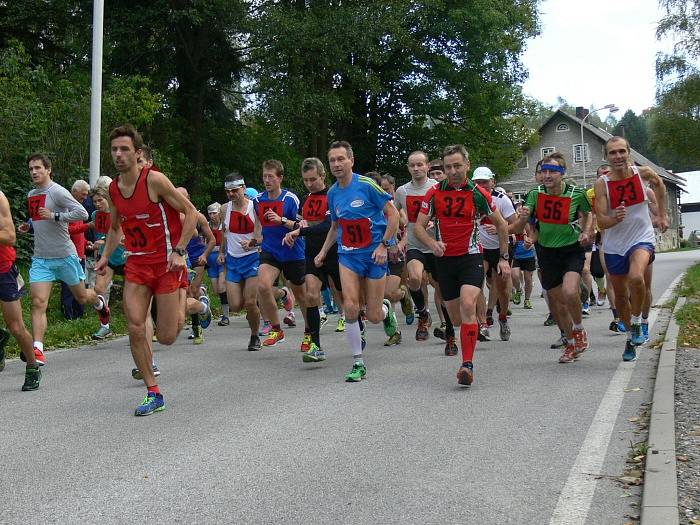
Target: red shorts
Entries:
(156, 277)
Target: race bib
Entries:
(315, 208)
(240, 223)
(630, 191)
(103, 221)
(35, 202)
(553, 209)
(276, 206)
(452, 204)
(356, 233)
(413, 207)
(137, 240)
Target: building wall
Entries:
(691, 221)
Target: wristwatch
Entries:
(505, 257)
(386, 243)
(284, 221)
(180, 251)
(57, 216)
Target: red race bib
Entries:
(240, 223)
(356, 233)
(137, 239)
(553, 209)
(413, 206)
(629, 190)
(103, 221)
(276, 206)
(35, 202)
(315, 208)
(454, 204)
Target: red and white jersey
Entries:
(151, 229)
(238, 226)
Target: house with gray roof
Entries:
(562, 132)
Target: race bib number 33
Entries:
(356, 233)
(553, 209)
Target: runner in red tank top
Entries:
(145, 207)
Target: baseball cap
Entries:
(483, 173)
(214, 208)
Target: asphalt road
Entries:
(263, 438)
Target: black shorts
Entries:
(493, 256)
(118, 270)
(555, 262)
(596, 265)
(527, 265)
(428, 260)
(11, 285)
(454, 272)
(396, 268)
(293, 271)
(330, 269)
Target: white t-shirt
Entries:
(409, 197)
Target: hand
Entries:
(221, 259)
(438, 248)
(202, 261)
(303, 223)
(504, 268)
(620, 212)
(524, 212)
(24, 227)
(176, 262)
(271, 216)
(663, 223)
(393, 252)
(318, 260)
(290, 238)
(45, 213)
(246, 244)
(379, 255)
(430, 225)
(586, 238)
(101, 266)
(491, 228)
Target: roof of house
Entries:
(604, 136)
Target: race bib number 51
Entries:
(356, 233)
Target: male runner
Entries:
(456, 205)
(313, 228)
(51, 208)
(146, 207)
(622, 210)
(364, 222)
(560, 252)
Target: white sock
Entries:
(636, 319)
(578, 326)
(39, 345)
(354, 338)
(385, 310)
(205, 308)
(105, 326)
(99, 304)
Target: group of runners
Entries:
(373, 244)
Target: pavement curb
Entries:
(660, 496)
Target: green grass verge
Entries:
(688, 316)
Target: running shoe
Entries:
(600, 302)
(601, 297)
(440, 331)
(290, 319)
(32, 378)
(637, 334)
(484, 334)
(254, 344)
(645, 331)
(104, 312)
(394, 339)
(288, 299)
(202, 290)
(451, 346)
(527, 304)
(191, 336)
(136, 373)
(614, 326)
(324, 320)
(407, 305)
(4, 338)
(267, 326)
(38, 355)
(580, 341)
(274, 337)
(389, 322)
(357, 373)
(504, 331)
(424, 322)
(340, 327)
(154, 338)
(102, 333)
(559, 343)
(224, 321)
(569, 354)
(465, 374)
(517, 296)
(305, 342)
(314, 355)
(205, 317)
(549, 321)
(198, 335)
(489, 318)
(621, 327)
(586, 308)
(630, 353)
(151, 403)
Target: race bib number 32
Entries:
(553, 209)
(356, 233)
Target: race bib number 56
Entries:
(553, 209)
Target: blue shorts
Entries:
(363, 265)
(241, 268)
(214, 269)
(620, 264)
(66, 269)
(194, 253)
(11, 285)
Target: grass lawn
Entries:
(688, 317)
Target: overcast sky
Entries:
(595, 53)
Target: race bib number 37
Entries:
(356, 233)
(553, 209)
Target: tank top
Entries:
(7, 257)
(239, 227)
(636, 227)
(151, 229)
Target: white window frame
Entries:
(527, 163)
(546, 151)
(564, 127)
(586, 152)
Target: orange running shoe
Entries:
(569, 354)
(274, 337)
(305, 343)
(465, 374)
(580, 341)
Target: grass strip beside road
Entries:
(688, 316)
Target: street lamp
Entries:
(610, 107)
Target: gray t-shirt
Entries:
(51, 239)
(409, 198)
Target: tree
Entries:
(636, 130)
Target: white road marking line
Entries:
(575, 499)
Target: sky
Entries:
(584, 43)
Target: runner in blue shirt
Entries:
(364, 223)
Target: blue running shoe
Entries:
(621, 327)
(645, 331)
(151, 403)
(637, 335)
(205, 320)
(630, 353)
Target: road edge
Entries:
(660, 494)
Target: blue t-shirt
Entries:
(286, 205)
(522, 253)
(359, 211)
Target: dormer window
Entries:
(563, 126)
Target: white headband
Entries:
(234, 184)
